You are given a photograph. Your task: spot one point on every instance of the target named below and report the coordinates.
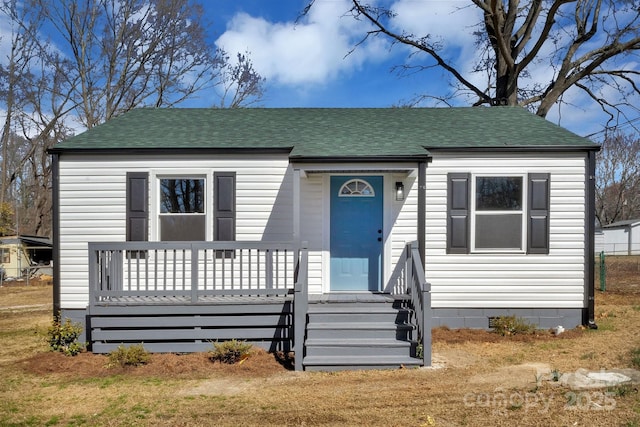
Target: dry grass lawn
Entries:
(479, 379)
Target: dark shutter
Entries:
(538, 214)
(458, 206)
(137, 206)
(224, 215)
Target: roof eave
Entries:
(172, 150)
(359, 159)
(585, 147)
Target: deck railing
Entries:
(420, 291)
(190, 272)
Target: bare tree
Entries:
(585, 37)
(100, 58)
(618, 179)
(241, 84)
(27, 83)
(15, 82)
(131, 53)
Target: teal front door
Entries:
(356, 233)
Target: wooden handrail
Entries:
(300, 306)
(420, 291)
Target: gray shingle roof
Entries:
(622, 224)
(327, 132)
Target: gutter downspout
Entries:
(55, 185)
(588, 313)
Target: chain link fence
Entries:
(617, 273)
(26, 275)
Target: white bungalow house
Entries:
(344, 235)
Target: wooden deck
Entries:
(180, 297)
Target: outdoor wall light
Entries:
(399, 191)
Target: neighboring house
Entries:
(622, 237)
(342, 234)
(598, 240)
(25, 255)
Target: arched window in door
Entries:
(356, 188)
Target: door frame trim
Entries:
(326, 228)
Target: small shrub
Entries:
(63, 337)
(419, 351)
(133, 355)
(512, 325)
(230, 352)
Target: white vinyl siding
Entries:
(403, 224)
(311, 220)
(92, 209)
(507, 280)
(92, 204)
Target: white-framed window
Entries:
(182, 211)
(498, 213)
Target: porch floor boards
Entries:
(203, 300)
(249, 299)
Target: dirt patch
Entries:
(260, 363)
(178, 366)
(460, 336)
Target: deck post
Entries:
(268, 268)
(93, 274)
(194, 274)
(300, 306)
(426, 326)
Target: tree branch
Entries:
(365, 11)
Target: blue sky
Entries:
(306, 60)
(313, 60)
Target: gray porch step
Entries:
(336, 363)
(391, 317)
(358, 313)
(359, 331)
(360, 347)
(355, 330)
(362, 334)
(353, 308)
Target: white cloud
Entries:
(452, 21)
(311, 51)
(448, 23)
